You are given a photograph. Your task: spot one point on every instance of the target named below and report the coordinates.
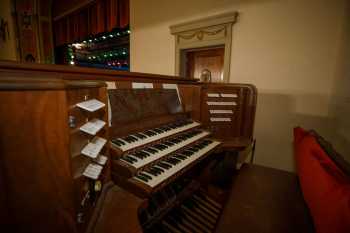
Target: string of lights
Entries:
(101, 51)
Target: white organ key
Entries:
(156, 180)
(91, 105)
(158, 136)
(161, 153)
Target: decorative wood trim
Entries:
(207, 32)
(220, 19)
(78, 73)
(20, 83)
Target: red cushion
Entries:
(325, 187)
(299, 134)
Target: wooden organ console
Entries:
(86, 150)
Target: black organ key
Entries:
(165, 128)
(158, 169)
(149, 133)
(144, 153)
(168, 143)
(165, 165)
(154, 171)
(193, 149)
(127, 160)
(131, 158)
(146, 175)
(158, 130)
(118, 142)
(140, 155)
(140, 136)
(179, 157)
(142, 178)
(163, 145)
(150, 150)
(174, 140)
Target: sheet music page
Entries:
(93, 148)
(172, 86)
(91, 105)
(101, 159)
(111, 85)
(142, 85)
(92, 127)
(93, 171)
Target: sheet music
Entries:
(91, 105)
(221, 103)
(111, 85)
(172, 86)
(142, 85)
(93, 148)
(229, 95)
(101, 159)
(93, 171)
(213, 95)
(221, 111)
(219, 119)
(93, 126)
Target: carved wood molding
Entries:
(206, 32)
(201, 33)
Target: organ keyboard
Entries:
(141, 138)
(162, 149)
(146, 160)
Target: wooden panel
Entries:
(86, 194)
(211, 59)
(116, 212)
(190, 96)
(34, 158)
(241, 122)
(81, 73)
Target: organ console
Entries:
(86, 150)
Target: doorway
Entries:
(203, 62)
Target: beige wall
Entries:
(7, 49)
(288, 49)
(340, 102)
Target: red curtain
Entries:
(100, 16)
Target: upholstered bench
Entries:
(315, 199)
(265, 200)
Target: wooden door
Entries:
(211, 59)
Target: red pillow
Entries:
(325, 187)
